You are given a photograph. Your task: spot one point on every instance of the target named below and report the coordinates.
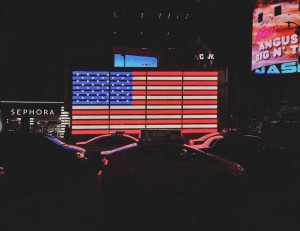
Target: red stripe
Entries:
(161, 112)
(200, 83)
(199, 130)
(95, 122)
(92, 132)
(184, 121)
(127, 131)
(201, 73)
(164, 73)
(164, 102)
(195, 112)
(164, 83)
(139, 73)
(200, 121)
(125, 121)
(187, 92)
(159, 92)
(139, 83)
(199, 102)
(90, 112)
(127, 112)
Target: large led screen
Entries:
(107, 101)
(134, 61)
(275, 40)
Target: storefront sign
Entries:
(30, 109)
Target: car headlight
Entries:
(80, 155)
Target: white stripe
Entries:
(163, 116)
(164, 88)
(163, 106)
(199, 126)
(128, 107)
(164, 97)
(139, 77)
(200, 116)
(75, 107)
(163, 125)
(200, 97)
(82, 117)
(127, 116)
(89, 127)
(139, 97)
(200, 87)
(164, 78)
(200, 106)
(141, 126)
(199, 78)
(138, 88)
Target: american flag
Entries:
(104, 101)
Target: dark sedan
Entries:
(166, 167)
(264, 161)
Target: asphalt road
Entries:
(88, 208)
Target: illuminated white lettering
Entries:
(39, 111)
(45, 112)
(18, 111)
(31, 112)
(51, 112)
(210, 56)
(294, 48)
(277, 52)
(24, 111)
(12, 111)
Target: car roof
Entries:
(110, 135)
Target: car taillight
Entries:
(105, 161)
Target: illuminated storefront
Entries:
(34, 116)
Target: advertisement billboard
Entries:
(275, 37)
(109, 101)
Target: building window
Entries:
(277, 10)
(260, 17)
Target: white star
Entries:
(118, 74)
(87, 74)
(77, 74)
(113, 85)
(77, 80)
(93, 84)
(97, 94)
(98, 74)
(122, 84)
(82, 90)
(77, 94)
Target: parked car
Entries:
(38, 159)
(166, 167)
(106, 142)
(265, 162)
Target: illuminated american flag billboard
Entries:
(107, 101)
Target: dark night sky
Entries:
(41, 40)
